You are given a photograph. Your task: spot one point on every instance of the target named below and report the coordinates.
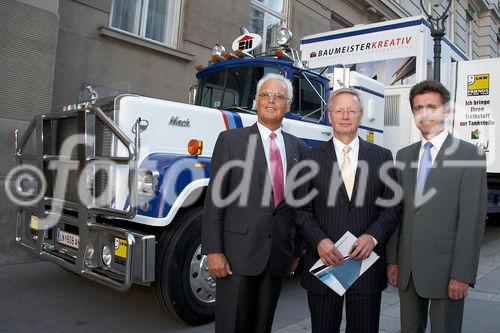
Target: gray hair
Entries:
(345, 91)
(281, 78)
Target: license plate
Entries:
(68, 239)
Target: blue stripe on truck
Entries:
(371, 129)
(237, 120)
(230, 119)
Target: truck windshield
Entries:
(234, 87)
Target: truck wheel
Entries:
(182, 286)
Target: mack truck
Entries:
(113, 187)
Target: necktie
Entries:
(423, 170)
(347, 171)
(276, 170)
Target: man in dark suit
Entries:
(249, 241)
(433, 254)
(348, 185)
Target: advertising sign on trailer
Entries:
(475, 97)
(355, 45)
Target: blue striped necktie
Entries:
(423, 170)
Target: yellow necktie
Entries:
(347, 171)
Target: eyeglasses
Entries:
(350, 112)
(430, 107)
(266, 96)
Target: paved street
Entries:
(41, 297)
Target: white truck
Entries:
(399, 53)
(115, 186)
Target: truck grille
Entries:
(56, 131)
(104, 138)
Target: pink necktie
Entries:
(276, 170)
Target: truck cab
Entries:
(231, 84)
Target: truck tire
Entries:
(182, 286)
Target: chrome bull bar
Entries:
(92, 235)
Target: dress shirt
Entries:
(353, 153)
(353, 158)
(437, 143)
(266, 142)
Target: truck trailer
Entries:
(399, 54)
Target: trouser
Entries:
(362, 312)
(445, 314)
(247, 303)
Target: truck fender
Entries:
(187, 197)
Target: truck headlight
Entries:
(106, 255)
(147, 182)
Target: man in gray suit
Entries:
(249, 241)
(433, 254)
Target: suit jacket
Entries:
(253, 234)
(319, 221)
(440, 239)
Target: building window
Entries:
(469, 30)
(267, 17)
(156, 20)
(469, 38)
(450, 29)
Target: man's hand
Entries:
(362, 247)
(293, 265)
(218, 266)
(392, 274)
(457, 289)
(329, 253)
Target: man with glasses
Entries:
(433, 254)
(249, 240)
(349, 185)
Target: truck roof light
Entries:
(243, 54)
(239, 53)
(282, 54)
(218, 50)
(284, 36)
(227, 55)
(195, 147)
(199, 67)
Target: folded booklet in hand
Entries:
(340, 277)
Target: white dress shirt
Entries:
(266, 142)
(353, 153)
(437, 143)
(353, 158)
